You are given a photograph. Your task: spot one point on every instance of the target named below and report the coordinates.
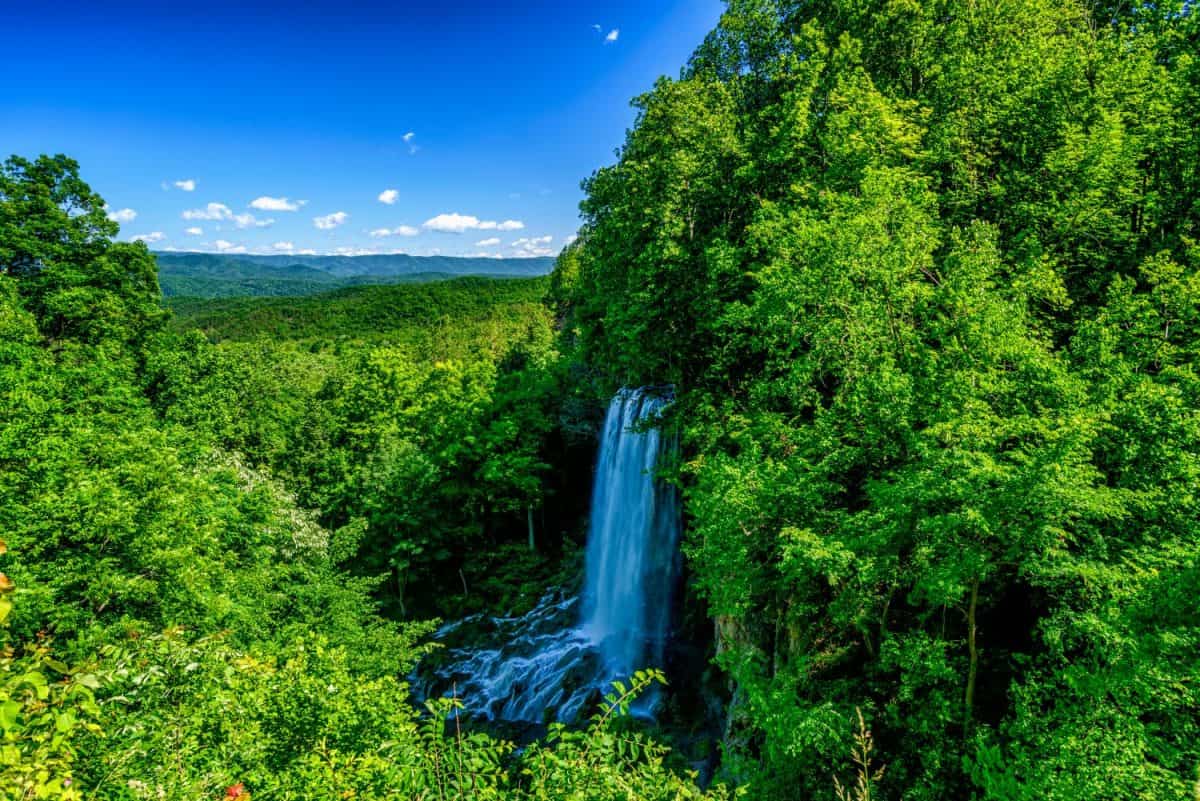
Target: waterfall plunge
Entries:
(632, 541)
(558, 657)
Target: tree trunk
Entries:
(529, 520)
(400, 582)
(972, 650)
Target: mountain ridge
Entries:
(217, 275)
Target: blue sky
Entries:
(207, 120)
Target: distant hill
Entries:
(398, 312)
(211, 275)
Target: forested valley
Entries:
(922, 283)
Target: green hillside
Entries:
(207, 275)
(367, 311)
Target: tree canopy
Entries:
(924, 277)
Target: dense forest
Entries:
(217, 557)
(924, 280)
(925, 275)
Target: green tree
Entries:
(56, 240)
(922, 274)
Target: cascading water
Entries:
(633, 541)
(559, 657)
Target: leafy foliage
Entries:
(418, 416)
(55, 241)
(924, 277)
(199, 536)
(43, 710)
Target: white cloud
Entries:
(153, 236)
(123, 216)
(388, 196)
(489, 242)
(224, 246)
(187, 185)
(221, 212)
(399, 230)
(306, 252)
(249, 221)
(537, 240)
(266, 203)
(456, 223)
(354, 251)
(286, 247)
(213, 211)
(572, 239)
(194, 231)
(531, 247)
(331, 220)
(453, 223)
(613, 35)
(408, 137)
(597, 28)
(408, 140)
(483, 254)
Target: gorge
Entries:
(562, 656)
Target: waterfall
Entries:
(565, 653)
(633, 541)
